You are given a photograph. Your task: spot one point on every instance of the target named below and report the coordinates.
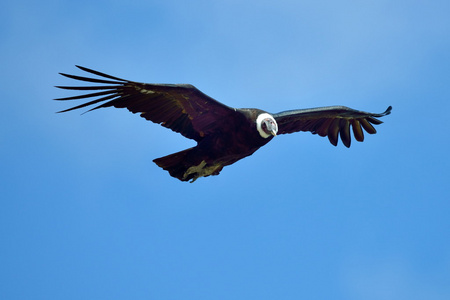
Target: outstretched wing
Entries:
(180, 107)
(330, 121)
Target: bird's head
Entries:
(266, 125)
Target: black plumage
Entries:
(223, 134)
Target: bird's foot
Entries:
(201, 170)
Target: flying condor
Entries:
(223, 134)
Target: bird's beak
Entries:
(273, 132)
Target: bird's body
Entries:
(223, 134)
(218, 150)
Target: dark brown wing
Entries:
(180, 107)
(330, 121)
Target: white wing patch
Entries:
(144, 91)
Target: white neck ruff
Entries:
(259, 121)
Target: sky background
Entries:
(86, 214)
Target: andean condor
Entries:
(223, 134)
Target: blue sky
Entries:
(86, 214)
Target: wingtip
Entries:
(388, 111)
(85, 69)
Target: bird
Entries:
(224, 134)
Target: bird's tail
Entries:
(175, 163)
(178, 164)
(188, 165)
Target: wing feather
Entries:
(323, 126)
(357, 130)
(333, 132)
(88, 95)
(180, 107)
(344, 132)
(331, 121)
(367, 126)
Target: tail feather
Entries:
(191, 164)
(177, 164)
